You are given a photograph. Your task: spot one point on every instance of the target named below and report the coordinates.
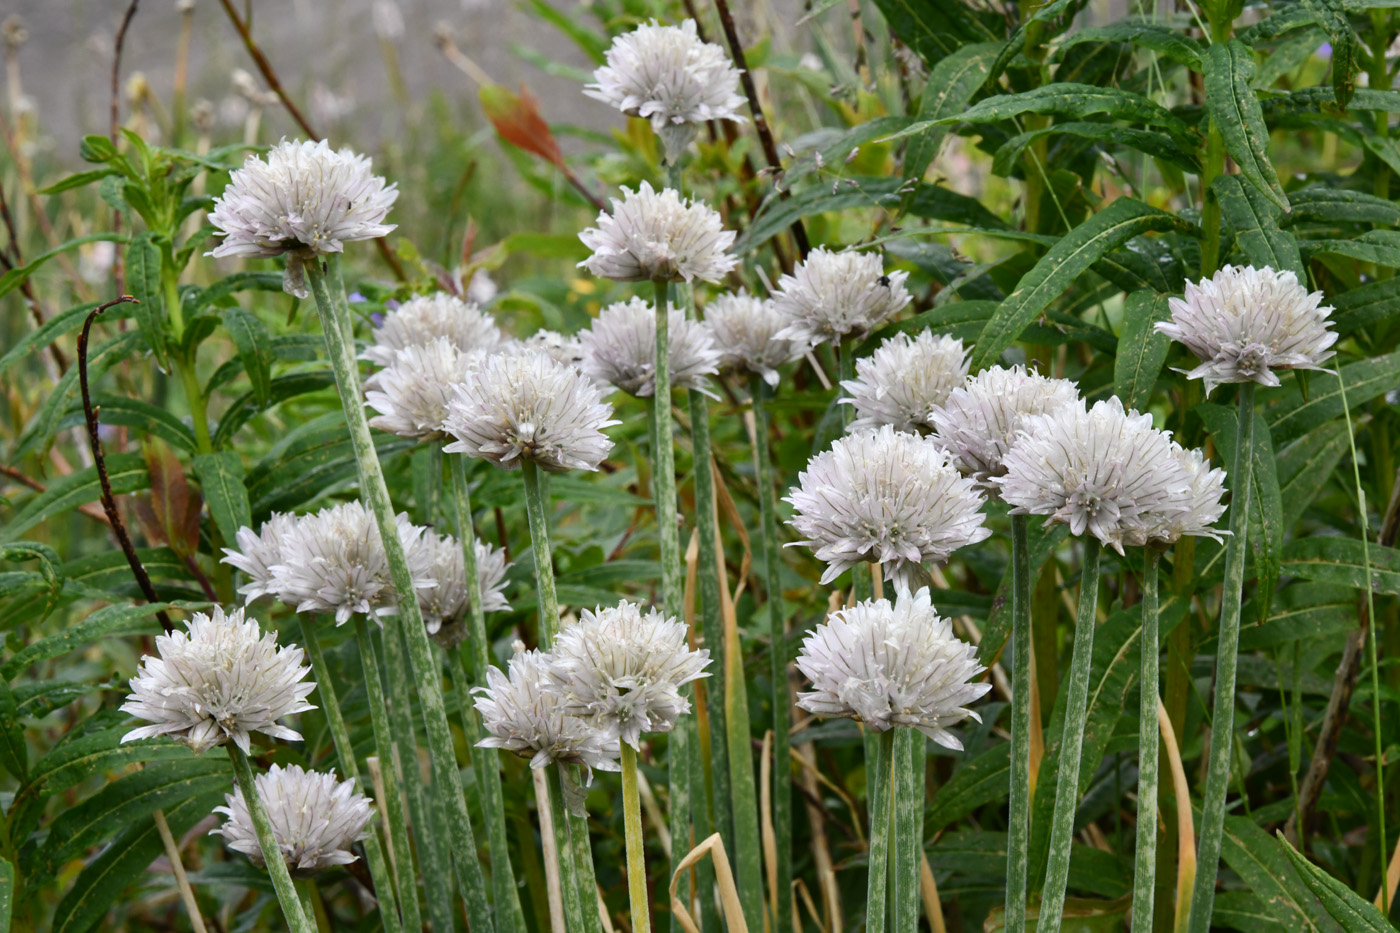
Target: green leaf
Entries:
(1381, 247)
(282, 388)
(42, 427)
(1305, 466)
(135, 413)
(107, 622)
(1064, 262)
(1293, 415)
(1254, 218)
(78, 759)
(143, 279)
(1342, 561)
(935, 29)
(14, 754)
(1235, 112)
(1302, 611)
(979, 781)
(1043, 539)
(1147, 35)
(950, 86)
(1369, 304)
(1333, 205)
(55, 327)
(1157, 145)
(232, 284)
(19, 274)
(78, 180)
(1141, 349)
(1353, 913)
(254, 349)
(1075, 100)
(1258, 860)
(220, 477)
(127, 473)
(1331, 16)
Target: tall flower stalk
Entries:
(297, 919)
(1145, 864)
(1018, 830)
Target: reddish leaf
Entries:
(517, 118)
(173, 509)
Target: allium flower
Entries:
(315, 819)
(831, 296)
(303, 200)
(524, 719)
(221, 680)
(743, 327)
(1100, 470)
(658, 237)
(978, 421)
(446, 565)
(412, 392)
(566, 349)
(891, 498)
(620, 349)
(622, 670)
(526, 406)
(892, 665)
(905, 379)
(1244, 324)
(258, 552)
(667, 75)
(423, 319)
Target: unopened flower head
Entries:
(564, 348)
(886, 497)
(1244, 324)
(412, 393)
(521, 717)
(832, 296)
(525, 405)
(622, 670)
(905, 379)
(978, 421)
(423, 319)
(892, 665)
(446, 601)
(221, 680)
(315, 819)
(620, 349)
(303, 200)
(667, 75)
(651, 237)
(1103, 471)
(744, 327)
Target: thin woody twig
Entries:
(109, 502)
(114, 123)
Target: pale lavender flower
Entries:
(1244, 324)
(885, 497)
(412, 392)
(304, 199)
(564, 348)
(258, 552)
(905, 379)
(1192, 511)
(832, 296)
(447, 566)
(653, 236)
(744, 329)
(620, 349)
(222, 680)
(423, 319)
(892, 665)
(315, 819)
(622, 670)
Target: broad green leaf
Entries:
(1287, 55)
(108, 622)
(1141, 349)
(1074, 100)
(1301, 610)
(1240, 910)
(232, 284)
(950, 86)
(77, 180)
(1305, 466)
(76, 760)
(1147, 35)
(1043, 539)
(55, 327)
(1064, 262)
(19, 274)
(1254, 218)
(1157, 145)
(935, 29)
(1293, 415)
(127, 473)
(1258, 860)
(1333, 205)
(1343, 561)
(14, 754)
(143, 279)
(42, 427)
(321, 460)
(1381, 247)
(979, 781)
(573, 490)
(983, 852)
(1369, 304)
(254, 350)
(1331, 16)
(135, 413)
(220, 478)
(282, 388)
(1280, 20)
(1353, 913)
(1235, 112)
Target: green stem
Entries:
(908, 820)
(583, 868)
(485, 761)
(395, 806)
(861, 581)
(568, 878)
(345, 754)
(1227, 651)
(636, 860)
(879, 778)
(1145, 872)
(297, 920)
(1019, 827)
(1052, 905)
(335, 327)
(761, 393)
(544, 567)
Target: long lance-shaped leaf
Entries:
(1158, 145)
(1075, 100)
(1146, 35)
(1255, 221)
(1355, 914)
(1331, 16)
(1236, 113)
(1060, 266)
(1141, 349)
(950, 86)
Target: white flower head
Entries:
(521, 717)
(892, 665)
(886, 497)
(315, 819)
(412, 393)
(446, 601)
(744, 329)
(978, 421)
(564, 348)
(525, 405)
(258, 552)
(620, 349)
(303, 200)
(667, 75)
(423, 319)
(222, 679)
(653, 236)
(1103, 470)
(1244, 324)
(1193, 510)
(832, 296)
(905, 379)
(622, 670)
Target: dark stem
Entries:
(109, 503)
(118, 262)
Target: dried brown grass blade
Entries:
(765, 807)
(724, 877)
(1185, 829)
(928, 890)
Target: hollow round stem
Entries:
(1145, 871)
(297, 921)
(1019, 828)
(636, 860)
(880, 773)
(574, 904)
(908, 820)
(539, 543)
